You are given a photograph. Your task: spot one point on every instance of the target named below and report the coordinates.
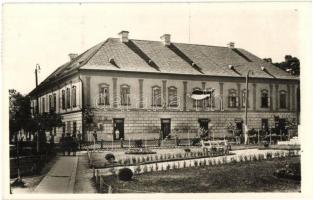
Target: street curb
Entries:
(73, 177)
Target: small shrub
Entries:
(168, 167)
(268, 155)
(187, 150)
(156, 167)
(254, 158)
(184, 164)
(204, 162)
(134, 160)
(195, 163)
(125, 174)
(109, 157)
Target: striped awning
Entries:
(201, 94)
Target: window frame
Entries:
(155, 103)
(125, 98)
(172, 98)
(104, 99)
(233, 99)
(283, 92)
(267, 102)
(63, 98)
(74, 93)
(68, 97)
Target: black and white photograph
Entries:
(155, 98)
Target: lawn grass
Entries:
(254, 176)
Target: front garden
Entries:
(236, 176)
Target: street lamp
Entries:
(246, 107)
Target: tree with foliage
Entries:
(21, 118)
(19, 113)
(291, 64)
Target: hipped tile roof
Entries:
(177, 58)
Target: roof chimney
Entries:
(166, 39)
(72, 56)
(123, 36)
(231, 45)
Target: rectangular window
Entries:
(125, 92)
(68, 98)
(283, 99)
(156, 96)
(74, 127)
(54, 101)
(264, 100)
(63, 99)
(233, 101)
(43, 105)
(104, 96)
(172, 97)
(50, 103)
(74, 96)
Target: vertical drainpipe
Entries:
(82, 105)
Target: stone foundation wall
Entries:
(147, 124)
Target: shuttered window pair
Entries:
(265, 99)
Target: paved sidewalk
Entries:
(61, 177)
(84, 182)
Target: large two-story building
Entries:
(143, 89)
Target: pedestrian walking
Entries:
(62, 144)
(68, 143)
(74, 144)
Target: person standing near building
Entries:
(95, 136)
(62, 144)
(117, 134)
(79, 139)
(74, 144)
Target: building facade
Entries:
(143, 89)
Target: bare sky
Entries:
(47, 33)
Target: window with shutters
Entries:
(283, 99)
(125, 95)
(244, 95)
(233, 99)
(172, 96)
(68, 97)
(63, 99)
(74, 96)
(265, 100)
(209, 102)
(197, 103)
(156, 96)
(104, 95)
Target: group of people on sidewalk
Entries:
(70, 143)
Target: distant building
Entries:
(143, 89)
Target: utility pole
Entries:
(246, 108)
(37, 69)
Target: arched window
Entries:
(156, 96)
(125, 95)
(104, 95)
(209, 102)
(172, 96)
(283, 99)
(74, 96)
(197, 103)
(265, 100)
(244, 96)
(233, 99)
